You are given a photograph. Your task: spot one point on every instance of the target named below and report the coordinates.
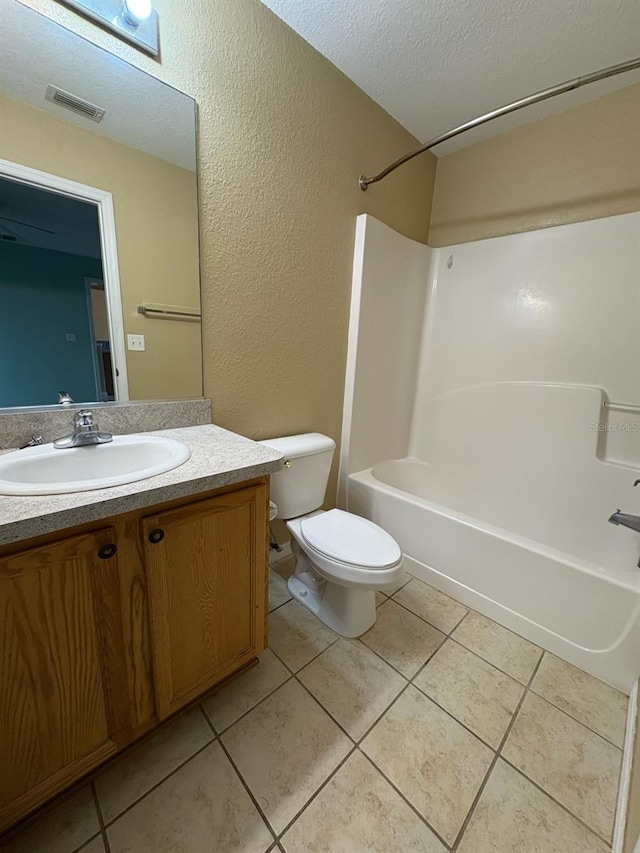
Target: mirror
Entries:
(99, 260)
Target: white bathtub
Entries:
(575, 609)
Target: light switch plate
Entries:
(135, 343)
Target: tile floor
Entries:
(437, 731)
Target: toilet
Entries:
(341, 558)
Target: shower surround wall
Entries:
(384, 345)
(499, 483)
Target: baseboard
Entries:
(622, 805)
(285, 551)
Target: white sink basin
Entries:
(46, 470)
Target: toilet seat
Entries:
(341, 593)
(350, 540)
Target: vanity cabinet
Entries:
(202, 582)
(62, 670)
(110, 628)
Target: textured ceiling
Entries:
(434, 64)
(141, 111)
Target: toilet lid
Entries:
(350, 539)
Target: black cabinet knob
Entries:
(107, 551)
(156, 536)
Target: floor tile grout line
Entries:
(98, 808)
(373, 651)
(289, 556)
(278, 606)
(500, 625)
(564, 808)
(412, 681)
(384, 713)
(427, 662)
(139, 799)
(328, 713)
(406, 677)
(403, 796)
(402, 586)
(323, 709)
(459, 622)
(353, 739)
(456, 719)
(408, 680)
(326, 710)
(575, 719)
(321, 787)
(288, 668)
(449, 634)
(295, 672)
(338, 637)
(522, 684)
(496, 756)
(87, 843)
(253, 799)
(537, 784)
(442, 644)
(240, 776)
(431, 625)
(223, 731)
(381, 657)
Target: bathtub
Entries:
(575, 609)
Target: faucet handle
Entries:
(83, 418)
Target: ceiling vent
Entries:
(74, 103)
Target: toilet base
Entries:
(348, 611)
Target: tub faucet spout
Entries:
(626, 520)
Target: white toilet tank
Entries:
(300, 486)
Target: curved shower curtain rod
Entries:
(576, 83)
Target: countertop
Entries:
(218, 458)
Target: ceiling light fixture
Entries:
(136, 11)
(135, 21)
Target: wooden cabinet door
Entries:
(63, 692)
(206, 573)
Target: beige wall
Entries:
(157, 231)
(283, 137)
(581, 164)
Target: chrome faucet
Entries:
(626, 519)
(85, 432)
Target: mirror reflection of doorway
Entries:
(55, 327)
(100, 339)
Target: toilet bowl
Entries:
(341, 558)
(337, 578)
